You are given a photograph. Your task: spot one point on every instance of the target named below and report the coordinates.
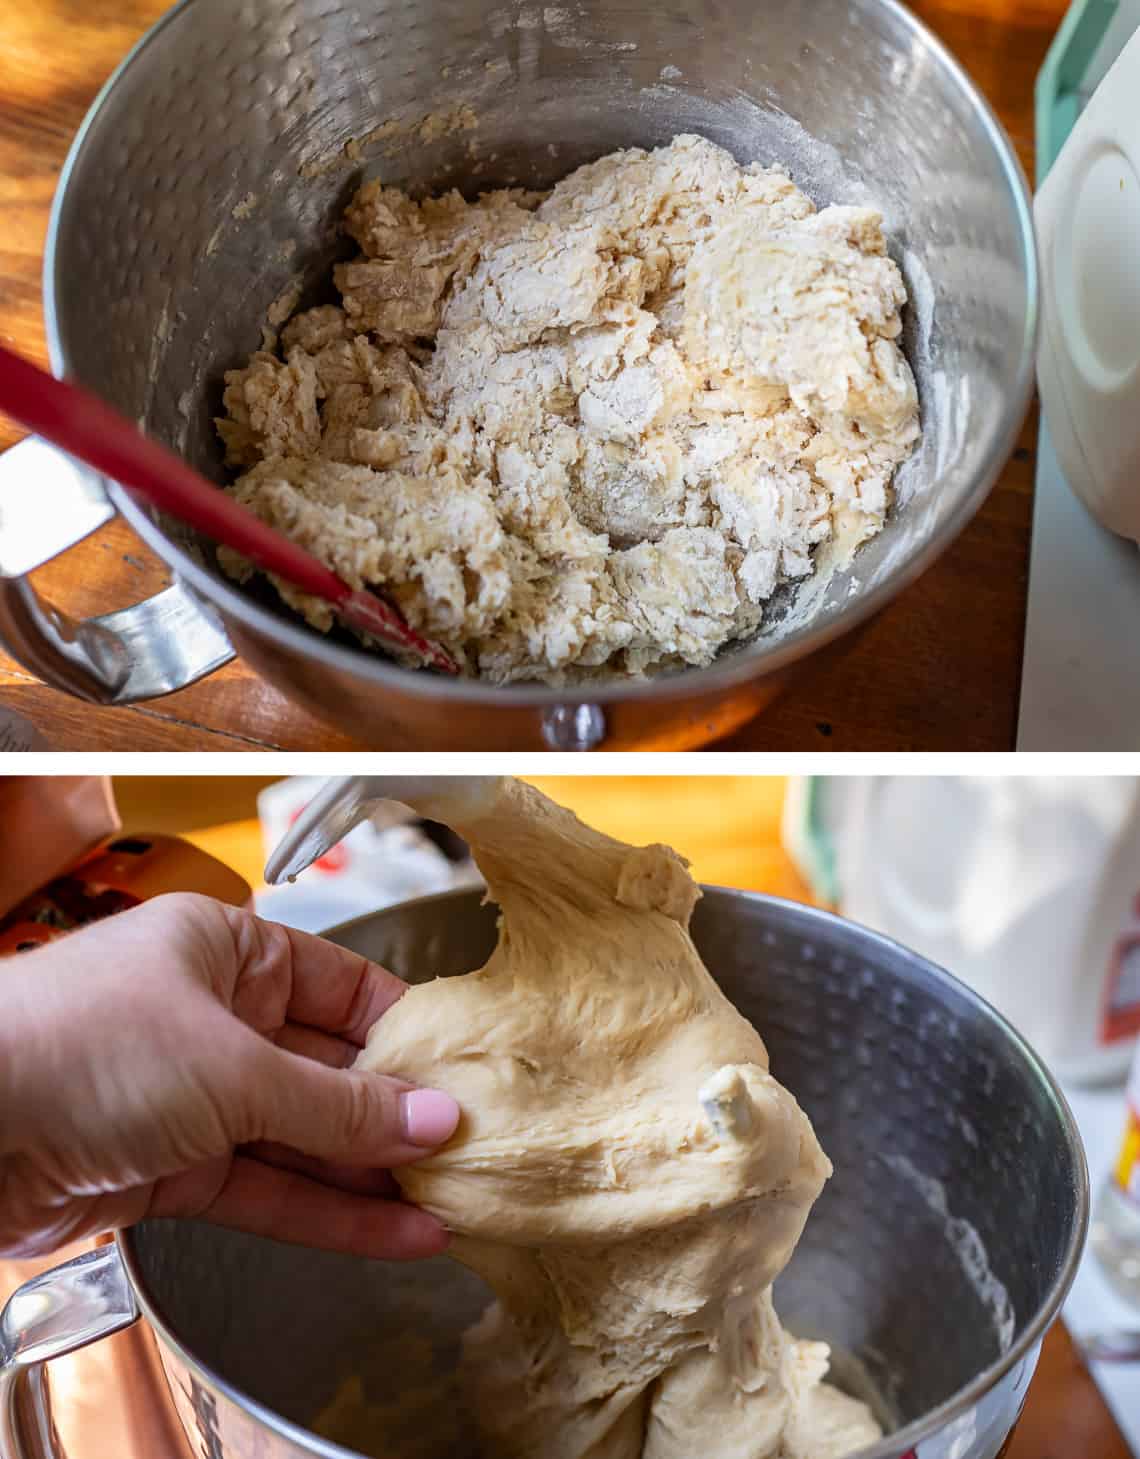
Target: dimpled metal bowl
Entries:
(212, 175)
(934, 1261)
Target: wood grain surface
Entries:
(939, 670)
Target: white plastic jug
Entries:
(1027, 888)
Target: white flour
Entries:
(967, 1247)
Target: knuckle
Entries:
(365, 1120)
(373, 1113)
(30, 1227)
(179, 906)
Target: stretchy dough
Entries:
(627, 1177)
(590, 432)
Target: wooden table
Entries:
(939, 670)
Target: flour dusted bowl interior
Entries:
(212, 179)
(935, 1259)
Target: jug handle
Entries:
(52, 1315)
(48, 504)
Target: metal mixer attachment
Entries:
(344, 803)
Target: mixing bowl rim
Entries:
(746, 664)
(891, 1445)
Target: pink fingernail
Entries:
(429, 1116)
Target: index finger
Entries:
(331, 988)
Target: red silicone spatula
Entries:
(80, 424)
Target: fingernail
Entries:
(429, 1117)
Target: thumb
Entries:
(350, 1115)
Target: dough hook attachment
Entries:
(346, 802)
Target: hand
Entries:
(187, 1059)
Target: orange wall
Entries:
(728, 826)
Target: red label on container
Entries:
(1120, 1011)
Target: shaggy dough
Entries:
(627, 1176)
(591, 431)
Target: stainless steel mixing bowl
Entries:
(211, 176)
(934, 1262)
